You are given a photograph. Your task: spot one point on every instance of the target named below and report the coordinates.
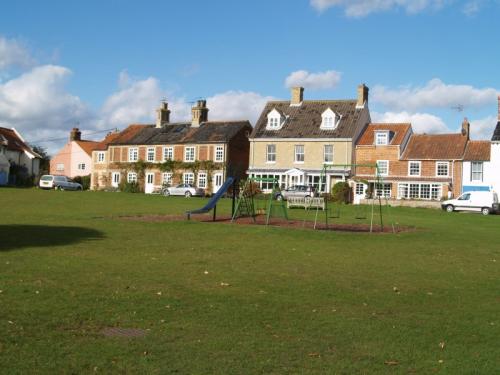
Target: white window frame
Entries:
(166, 178)
(414, 162)
(268, 153)
(190, 154)
(472, 172)
(359, 188)
(81, 166)
(381, 138)
(329, 120)
(150, 150)
(188, 178)
(202, 180)
(387, 167)
(133, 154)
(219, 154)
(131, 177)
(407, 190)
(274, 120)
(60, 167)
(382, 189)
(299, 153)
(325, 154)
(101, 157)
(442, 163)
(168, 153)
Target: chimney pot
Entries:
(297, 95)
(362, 96)
(75, 135)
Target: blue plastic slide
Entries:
(212, 203)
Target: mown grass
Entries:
(298, 301)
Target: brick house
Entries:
(75, 158)
(201, 152)
(420, 167)
(293, 139)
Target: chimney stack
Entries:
(162, 115)
(199, 113)
(297, 95)
(362, 96)
(75, 135)
(466, 128)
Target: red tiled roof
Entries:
(435, 147)
(87, 146)
(121, 137)
(478, 151)
(14, 143)
(399, 132)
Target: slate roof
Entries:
(88, 146)
(304, 121)
(496, 133)
(15, 143)
(478, 151)
(398, 133)
(184, 133)
(435, 147)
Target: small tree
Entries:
(341, 192)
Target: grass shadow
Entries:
(14, 237)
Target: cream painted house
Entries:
(293, 140)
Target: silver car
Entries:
(186, 190)
(57, 182)
(302, 191)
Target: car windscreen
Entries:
(46, 178)
(59, 178)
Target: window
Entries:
(133, 154)
(328, 119)
(188, 178)
(168, 153)
(150, 156)
(314, 180)
(167, 178)
(268, 185)
(414, 168)
(476, 171)
(81, 166)
(60, 167)
(442, 168)
(100, 157)
(383, 167)
(419, 191)
(328, 153)
(219, 154)
(131, 177)
(202, 180)
(189, 154)
(271, 153)
(299, 153)
(383, 190)
(360, 189)
(381, 138)
(274, 120)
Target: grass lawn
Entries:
(235, 299)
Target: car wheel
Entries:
(485, 211)
(166, 193)
(450, 208)
(187, 194)
(279, 197)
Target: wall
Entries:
(62, 157)
(78, 156)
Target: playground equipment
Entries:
(212, 203)
(249, 204)
(361, 211)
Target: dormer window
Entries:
(330, 119)
(274, 120)
(381, 138)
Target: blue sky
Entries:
(105, 64)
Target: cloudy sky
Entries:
(106, 64)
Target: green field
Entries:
(236, 299)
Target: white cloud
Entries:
(13, 53)
(483, 128)
(314, 81)
(435, 94)
(472, 7)
(421, 122)
(361, 8)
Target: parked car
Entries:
(187, 190)
(57, 182)
(485, 202)
(301, 191)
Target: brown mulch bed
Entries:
(275, 222)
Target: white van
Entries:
(485, 202)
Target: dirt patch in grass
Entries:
(275, 222)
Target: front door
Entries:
(150, 179)
(115, 179)
(359, 192)
(217, 182)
